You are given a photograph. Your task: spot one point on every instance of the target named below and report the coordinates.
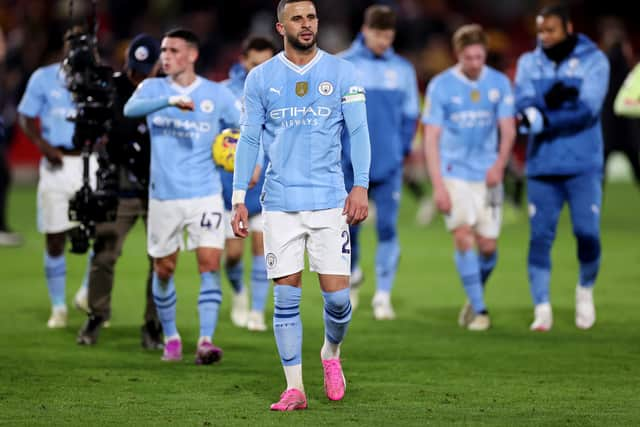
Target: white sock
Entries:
(172, 337)
(203, 339)
(293, 374)
(329, 350)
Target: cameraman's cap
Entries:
(144, 51)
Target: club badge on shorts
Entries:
(271, 260)
(302, 88)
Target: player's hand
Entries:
(495, 174)
(255, 177)
(182, 102)
(356, 207)
(240, 221)
(51, 153)
(442, 198)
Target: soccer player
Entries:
(469, 133)
(297, 104)
(47, 99)
(392, 113)
(560, 88)
(184, 113)
(255, 50)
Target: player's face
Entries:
(299, 25)
(471, 59)
(551, 30)
(378, 41)
(255, 58)
(177, 56)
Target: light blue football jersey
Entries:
(301, 111)
(47, 97)
(468, 111)
(181, 160)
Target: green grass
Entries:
(420, 369)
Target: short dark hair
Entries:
(380, 17)
(283, 3)
(258, 43)
(468, 35)
(559, 10)
(184, 34)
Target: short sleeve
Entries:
(34, 99)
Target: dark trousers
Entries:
(107, 248)
(5, 179)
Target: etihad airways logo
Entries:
(178, 124)
(299, 116)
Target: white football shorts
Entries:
(474, 205)
(323, 233)
(56, 186)
(202, 218)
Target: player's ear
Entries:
(193, 55)
(280, 28)
(569, 27)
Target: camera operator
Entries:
(127, 147)
(42, 114)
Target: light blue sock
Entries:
(468, 267)
(287, 324)
(387, 256)
(55, 269)
(487, 264)
(337, 315)
(259, 283)
(539, 278)
(209, 302)
(164, 295)
(87, 271)
(234, 274)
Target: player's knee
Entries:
(55, 244)
(386, 232)
(337, 305)
(463, 238)
(487, 247)
(588, 246)
(164, 268)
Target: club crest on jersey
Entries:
(302, 88)
(206, 106)
(494, 95)
(475, 95)
(325, 88)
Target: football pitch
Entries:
(421, 369)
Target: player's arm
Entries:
(507, 132)
(528, 103)
(354, 111)
(252, 121)
(627, 101)
(587, 107)
(411, 112)
(141, 104)
(29, 109)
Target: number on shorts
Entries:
(345, 246)
(206, 221)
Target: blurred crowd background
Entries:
(32, 33)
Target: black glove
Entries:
(559, 94)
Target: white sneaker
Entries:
(585, 310)
(466, 315)
(58, 317)
(255, 321)
(382, 309)
(355, 281)
(543, 318)
(240, 308)
(480, 322)
(81, 299)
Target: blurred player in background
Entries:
(184, 112)
(128, 147)
(469, 133)
(392, 113)
(560, 89)
(297, 105)
(42, 114)
(255, 50)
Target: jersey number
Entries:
(208, 218)
(345, 246)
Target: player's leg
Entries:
(284, 243)
(234, 269)
(584, 194)
(259, 280)
(328, 250)
(387, 199)
(55, 266)
(357, 275)
(546, 197)
(489, 205)
(164, 240)
(206, 234)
